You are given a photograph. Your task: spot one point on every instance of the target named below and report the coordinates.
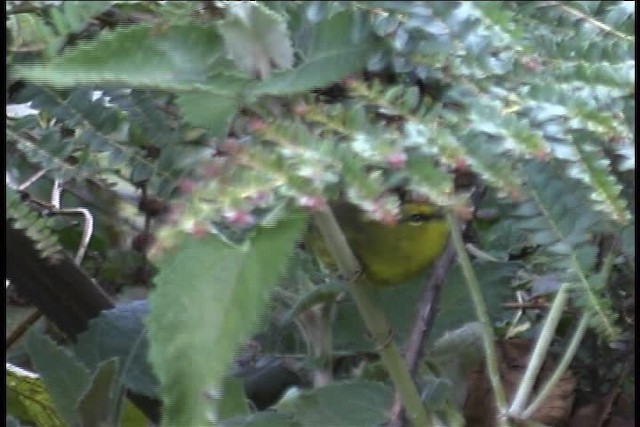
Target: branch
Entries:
(64, 293)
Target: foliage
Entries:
(240, 114)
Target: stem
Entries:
(373, 317)
(539, 352)
(561, 368)
(488, 337)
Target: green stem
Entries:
(561, 368)
(488, 337)
(373, 317)
(539, 353)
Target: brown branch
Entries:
(63, 293)
(423, 324)
(426, 314)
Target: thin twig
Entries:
(23, 327)
(427, 310)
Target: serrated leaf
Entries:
(66, 378)
(98, 404)
(348, 404)
(255, 38)
(181, 57)
(208, 298)
(333, 54)
(120, 332)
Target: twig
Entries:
(427, 310)
(488, 337)
(373, 317)
(23, 327)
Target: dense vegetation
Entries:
(185, 147)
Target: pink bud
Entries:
(256, 125)
(187, 186)
(312, 203)
(397, 160)
(199, 230)
(239, 218)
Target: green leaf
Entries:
(210, 111)
(233, 401)
(28, 399)
(335, 51)
(454, 310)
(348, 404)
(65, 377)
(98, 405)
(182, 57)
(208, 298)
(261, 419)
(120, 333)
(255, 37)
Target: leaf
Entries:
(28, 399)
(181, 58)
(120, 333)
(348, 404)
(334, 52)
(454, 310)
(261, 419)
(210, 111)
(255, 38)
(233, 401)
(97, 405)
(66, 378)
(208, 298)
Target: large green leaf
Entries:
(337, 48)
(349, 404)
(208, 298)
(65, 378)
(181, 57)
(120, 332)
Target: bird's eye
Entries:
(418, 218)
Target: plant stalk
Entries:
(488, 337)
(562, 366)
(539, 352)
(373, 317)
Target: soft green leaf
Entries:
(28, 400)
(255, 37)
(66, 379)
(208, 298)
(261, 419)
(233, 402)
(210, 111)
(99, 403)
(179, 58)
(120, 333)
(348, 404)
(333, 53)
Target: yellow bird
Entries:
(389, 254)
